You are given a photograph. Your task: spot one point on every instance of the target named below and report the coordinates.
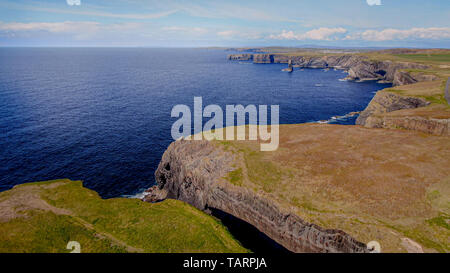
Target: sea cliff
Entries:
(334, 188)
(328, 188)
(359, 68)
(190, 171)
(416, 85)
(392, 110)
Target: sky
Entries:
(228, 23)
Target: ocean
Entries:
(102, 115)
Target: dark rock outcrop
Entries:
(240, 57)
(359, 67)
(192, 171)
(385, 102)
(263, 58)
(154, 194)
(403, 78)
(376, 115)
(290, 68)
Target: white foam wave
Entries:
(337, 118)
(139, 195)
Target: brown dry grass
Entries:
(372, 183)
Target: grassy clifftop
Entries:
(416, 73)
(392, 186)
(438, 62)
(45, 216)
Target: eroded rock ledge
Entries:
(377, 115)
(192, 171)
(385, 102)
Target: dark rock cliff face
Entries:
(240, 57)
(376, 115)
(263, 58)
(358, 67)
(385, 102)
(403, 78)
(192, 171)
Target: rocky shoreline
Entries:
(361, 68)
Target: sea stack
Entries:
(290, 68)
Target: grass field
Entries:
(425, 57)
(375, 184)
(45, 216)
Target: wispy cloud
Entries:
(78, 30)
(94, 13)
(320, 34)
(392, 34)
(67, 26)
(231, 11)
(230, 22)
(226, 33)
(239, 35)
(186, 30)
(374, 2)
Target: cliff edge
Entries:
(418, 100)
(43, 217)
(191, 171)
(328, 188)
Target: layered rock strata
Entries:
(377, 115)
(193, 171)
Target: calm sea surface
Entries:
(102, 115)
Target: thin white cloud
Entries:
(434, 33)
(94, 13)
(65, 27)
(226, 33)
(374, 2)
(239, 35)
(58, 27)
(216, 10)
(184, 30)
(322, 34)
(78, 30)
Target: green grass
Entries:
(425, 57)
(112, 225)
(235, 177)
(44, 232)
(259, 171)
(421, 234)
(426, 241)
(433, 98)
(438, 99)
(440, 221)
(262, 172)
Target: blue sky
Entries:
(178, 23)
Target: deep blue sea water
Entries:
(102, 115)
